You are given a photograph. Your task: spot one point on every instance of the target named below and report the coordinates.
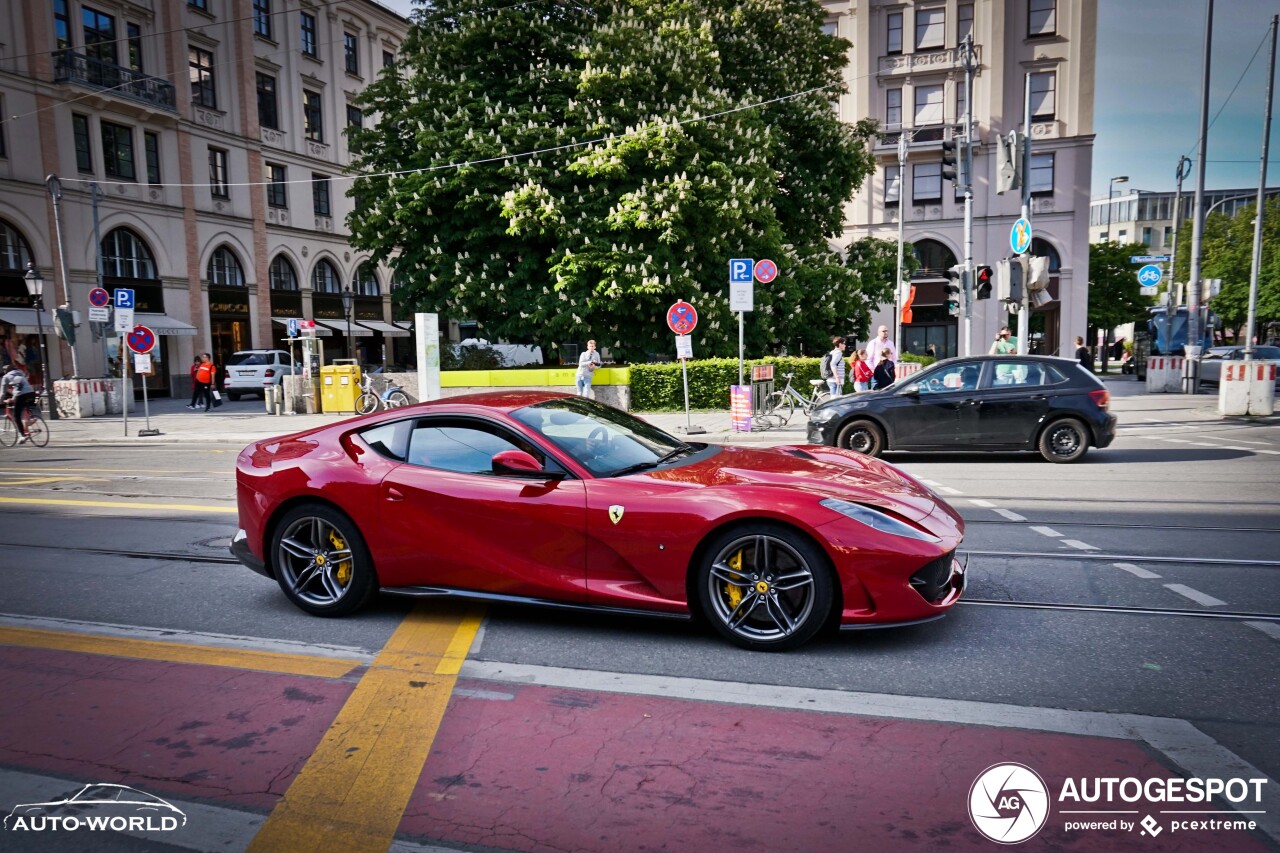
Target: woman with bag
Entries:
(861, 371)
(205, 373)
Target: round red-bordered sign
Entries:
(682, 318)
(141, 340)
(99, 298)
(765, 271)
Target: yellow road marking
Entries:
(351, 794)
(118, 504)
(41, 469)
(33, 481)
(124, 647)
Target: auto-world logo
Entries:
(1009, 803)
(98, 807)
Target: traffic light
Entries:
(955, 276)
(949, 171)
(1009, 162)
(982, 277)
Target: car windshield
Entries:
(245, 359)
(602, 439)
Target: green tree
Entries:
(1115, 296)
(651, 173)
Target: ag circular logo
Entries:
(1008, 803)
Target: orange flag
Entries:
(906, 306)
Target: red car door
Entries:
(448, 520)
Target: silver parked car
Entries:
(250, 371)
(1211, 362)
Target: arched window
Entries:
(224, 268)
(281, 274)
(15, 253)
(125, 255)
(366, 283)
(325, 278)
(1044, 249)
(935, 259)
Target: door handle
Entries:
(394, 494)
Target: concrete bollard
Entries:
(98, 397)
(1158, 374)
(903, 369)
(1247, 388)
(73, 398)
(115, 396)
(1173, 382)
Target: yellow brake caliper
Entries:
(733, 590)
(343, 573)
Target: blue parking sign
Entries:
(124, 297)
(740, 270)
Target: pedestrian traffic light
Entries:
(955, 276)
(982, 278)
(949, 159)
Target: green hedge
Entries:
(658, 387)
(924, 360)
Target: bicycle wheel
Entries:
(8, 432)
(367, 403)
(396, 399)
(779, 405)
(36, 429)
(817, 400)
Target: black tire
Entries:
(307, 554)
(771, 565)
(366, 404)
(233, 396)
(37, 429)
(396, 399)
(862, 436)
(8, 432)
(1064, 441)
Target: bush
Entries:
(659, 387)
(923, 360)
(470, 358)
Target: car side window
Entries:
(1019, 374)
(389, 439)
(464, 446)
(959, 377)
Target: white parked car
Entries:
(1213, 359)
(250, 371)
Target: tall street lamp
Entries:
(35, 287)
(1119, 179)
(348, 299)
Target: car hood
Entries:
(823, 471)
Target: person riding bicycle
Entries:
(14, 385)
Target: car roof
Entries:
(1041, 359)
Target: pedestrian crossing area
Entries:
(1260, 437)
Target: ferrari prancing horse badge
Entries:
(615, 513)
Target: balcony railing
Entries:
(933, 133)
(932, 60)
(71, 67)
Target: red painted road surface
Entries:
(529, 768)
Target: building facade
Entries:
(200, 146)
(1141, 216)
(906, 70)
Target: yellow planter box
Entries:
(541, 376)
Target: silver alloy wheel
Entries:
(761, 588)
(315, 560)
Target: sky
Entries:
(1147, 94)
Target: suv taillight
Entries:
(1102, 397)
(271, 372)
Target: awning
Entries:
(387, 329)
(340, 326)
(163, 324)
(321, 331)
(24, 321)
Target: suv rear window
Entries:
(249, 358)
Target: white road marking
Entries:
(1271, 629)
(1194, 594)
(1269, 452)
(947, 490)
(1010, 514)
(1175, 440)
(1076, 543)
(987, 504)
(1046, 531)
(1137, 571)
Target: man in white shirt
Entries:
(587, 364)
(879, 344)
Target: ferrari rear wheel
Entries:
(321, 561)
(862, 436)
(765, 587)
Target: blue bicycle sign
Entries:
(1150, 275)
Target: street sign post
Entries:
(124, 309)
(1020, 236)
(765, 271)
(1150, 275)
(1148, 259)
(741, 296)
(142, 341)
(99, 305)
(293, 327)
(682, 318)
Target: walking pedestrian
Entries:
(1082, 354)
(587, 364)
(879, 344)
(861, 371)
(195, 386)
(886, 371)
(835, 360)
(205, 374)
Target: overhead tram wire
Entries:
(1266, 36)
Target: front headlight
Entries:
(822, 414)
(877, 520)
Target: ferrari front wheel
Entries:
(765, 587)
(321, 561)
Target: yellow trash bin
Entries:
(339, 386)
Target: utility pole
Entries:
(1191, 367)
(1184, 169)
(1262, 191)
(898, 331)
(1024, 313)
(967, 178)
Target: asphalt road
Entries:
(1165, 544)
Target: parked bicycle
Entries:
(33, 420)
(392, 397)
(783, 404)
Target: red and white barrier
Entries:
(1247, 388)
(906, 368)
(1164, 374)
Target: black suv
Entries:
(985, 402)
